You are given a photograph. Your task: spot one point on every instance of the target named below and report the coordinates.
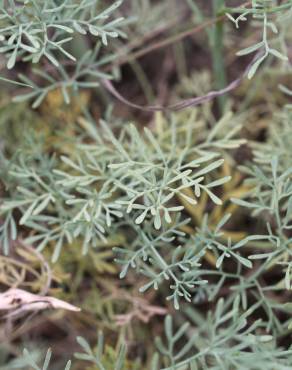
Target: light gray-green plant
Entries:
(49, 35)
(119, 180)
(270, 16)
(225, 340)
(132, 181)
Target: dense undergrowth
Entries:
(166, 231)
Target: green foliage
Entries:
(140, 221)
(86, 74)
(42, 32)
(26, 27)
(269, 16)
(271, 194)
(86, 198)
(28, 360)
(136, 178)
(224, 341)
(98, 358)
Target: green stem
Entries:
(217, 47)
(143, 80)
(178, 47)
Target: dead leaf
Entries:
(20, 300)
